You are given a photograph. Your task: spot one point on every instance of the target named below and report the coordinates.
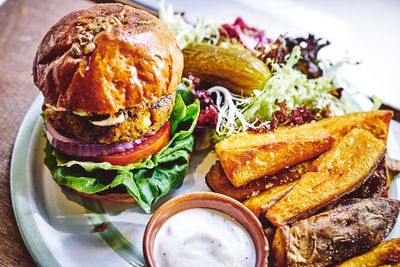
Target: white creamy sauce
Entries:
(110, 121)
(203, 237)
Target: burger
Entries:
(117, 119)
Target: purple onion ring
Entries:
(79, 148)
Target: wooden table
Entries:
(23, 24)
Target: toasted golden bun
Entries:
(107, 58)
(114, 197)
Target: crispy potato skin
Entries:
(218, 182)
(278, 248)
(390, 265)
(261, 202)
(336, 235)
(334, 174)
(376, 185)
(388, 252)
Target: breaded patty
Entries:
(139, 122)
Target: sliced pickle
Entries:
(233, 67)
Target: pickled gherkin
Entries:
(232, 66)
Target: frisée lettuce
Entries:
(185, 32)
(302, 87)
(288, 85)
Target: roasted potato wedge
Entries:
(387, 252)
(248, 156)
(336, 235)
(376, 185)
(376, 122)
(269, 233)
(218, 182)
(263, 201)
(279, 247)
(338, 172)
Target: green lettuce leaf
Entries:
(147, 180)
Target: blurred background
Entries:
(368, 31)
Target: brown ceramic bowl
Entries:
(210, 200)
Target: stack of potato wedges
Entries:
(320, 189)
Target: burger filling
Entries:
(146, 172)
(125, 126)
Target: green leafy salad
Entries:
(298, 87)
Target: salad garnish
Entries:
(302, 88)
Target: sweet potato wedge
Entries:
(279, 247)
(376, 122)
(387, 252)
(263, 201)
(336, 235)
(376, 185)
(248, 156)
(218, 182)
(338, 172)
(269, 233)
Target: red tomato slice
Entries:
(150, 146)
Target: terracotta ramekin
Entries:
(219, 202)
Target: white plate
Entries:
(57, 226)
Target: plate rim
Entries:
(33, 240)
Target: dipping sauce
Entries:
(203, 237)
